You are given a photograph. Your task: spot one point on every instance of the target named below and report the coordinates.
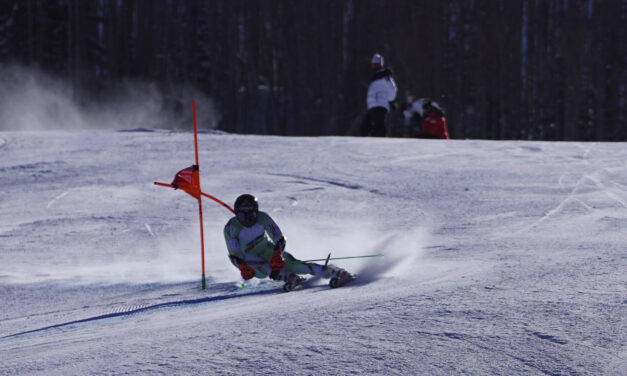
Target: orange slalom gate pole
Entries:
(195, 135)
(189, 181)
(202, 193)
(202, 244)
(219, 202)
(202, 234)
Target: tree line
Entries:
(502, 69)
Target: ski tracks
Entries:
(600, 177)
(350, 186)
(123, 312)
(57, 199)
(545, 364)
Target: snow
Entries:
(500, 257)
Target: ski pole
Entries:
(326, 259)
(332, 258)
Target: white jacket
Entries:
(381, 92)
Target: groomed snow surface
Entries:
(501, 258)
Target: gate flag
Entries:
(188, 180)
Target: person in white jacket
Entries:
(381, 91)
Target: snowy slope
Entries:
(500, 257)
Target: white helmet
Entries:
(376, 61)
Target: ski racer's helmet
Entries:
(376, 62)
(246, 209)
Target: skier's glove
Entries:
(276, 262)
(246, 271)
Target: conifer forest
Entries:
(502, 69)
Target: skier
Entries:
(256, 247)
(381, 91)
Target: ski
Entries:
(338, 277)
(293, 283)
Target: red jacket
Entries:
(435, 125)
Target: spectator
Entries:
(381, 91)
(433, 119)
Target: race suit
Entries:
(254, 246)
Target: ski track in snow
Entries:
(57, 199)
(611, 189)
(123, 312)
(571, 197)
(500, 257)
(329, 182)
(231, 293)
(149, 229)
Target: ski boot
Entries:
(292, 281)
(338, 276)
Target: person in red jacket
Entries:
(434, 122)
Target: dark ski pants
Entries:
(374, 122)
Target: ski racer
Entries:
(256, 247)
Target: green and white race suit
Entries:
(255, 245)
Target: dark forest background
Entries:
(502, 69)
